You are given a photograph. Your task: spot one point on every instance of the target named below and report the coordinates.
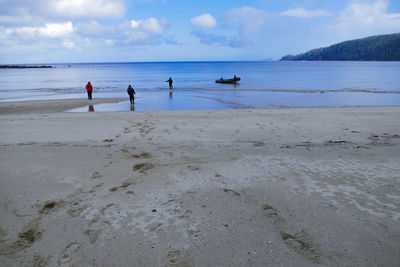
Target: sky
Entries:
(68, 31)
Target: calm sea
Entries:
(263, 84)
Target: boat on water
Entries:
(233, 80)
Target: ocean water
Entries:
(263, 84)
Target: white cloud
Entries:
(50, 30)
(7, 19)
(362, 19)
(40, 11)
(248, 21)
(36, 40)
(88, 8)
(134, 24)
(247, 18)
(152, 25)
(93, 29)
(132, 32)
(56, 30)
(72, 44)
(142, 31)
(69, 44)
(204, 20)
(304, 13)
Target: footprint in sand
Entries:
(194, 168)
(124, 185)
(302, 244)
(173, 256)
(142, 155)
(39, 260)
(51, 205)
(77, 208)
(152, 227)
(31, 234)
(96, 188)
(96, 175)
(269, 209)
(143, 167)
(92, 234)
(106, 207)
(67, 255)
(231, 191)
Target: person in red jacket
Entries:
(89, 89)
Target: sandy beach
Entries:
(251, 187)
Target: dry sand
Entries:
(286, 187)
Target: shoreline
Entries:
(65, 105)
(259, 187)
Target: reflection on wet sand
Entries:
(91, 108)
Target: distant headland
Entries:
(373, 48)
(24, 67)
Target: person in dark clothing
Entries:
(131, 93)
(170, 81)
(89, 89)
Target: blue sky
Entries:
(52, 31)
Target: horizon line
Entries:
(127, 62)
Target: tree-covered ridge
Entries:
(374, 48)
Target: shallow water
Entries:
(244, 99)
(263, 84)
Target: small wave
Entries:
(231, 104)
(306, 91)
(112, 89)
(355, 90)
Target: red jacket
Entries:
(89, 87)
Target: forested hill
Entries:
(374, 48)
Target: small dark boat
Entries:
(233, 80)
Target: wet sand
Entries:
(290, 187)
(51, 106)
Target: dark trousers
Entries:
(89, 95)
(132, 98)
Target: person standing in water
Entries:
(89, 89)
(170, 81)
(131, 93)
